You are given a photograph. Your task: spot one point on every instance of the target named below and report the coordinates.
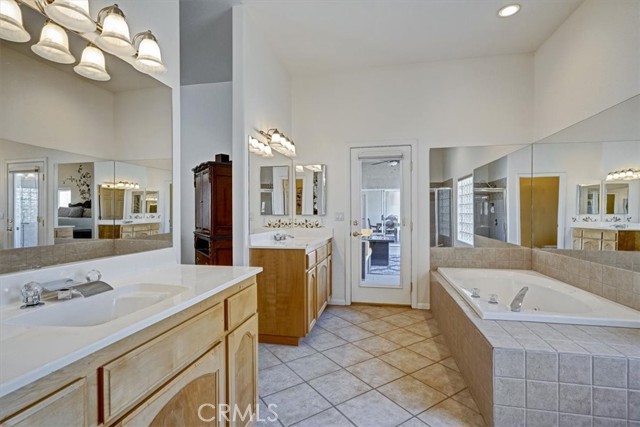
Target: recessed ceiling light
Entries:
(508, 10)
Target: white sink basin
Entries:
(97, 309)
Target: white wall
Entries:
(261, 100)
(590, 63)
(206, 131)
(484, 101)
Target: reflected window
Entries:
(465, 209)
(64, 197)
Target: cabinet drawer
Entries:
(609, 235)
(241, 306)
(321, 253)
(311, 259)
(67, 407)
(577, 232)
(133, 375)
(592, 234)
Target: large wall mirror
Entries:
(478, 196)
(85, 165)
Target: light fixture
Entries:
(54, 44)
(148, 60)
(508, 10)
(259, 148)
(73, 14)
(92, 65)
(624, 175)
(11, 27)
(115, 37)
(279, 142)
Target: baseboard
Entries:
(423, 306)
(337, 302)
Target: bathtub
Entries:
(548, 300)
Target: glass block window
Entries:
(465, 209)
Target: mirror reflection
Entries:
(274, 190)
(588, 199)
(311, 190)
(616, 199)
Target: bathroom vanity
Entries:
(155, 366)
(294, 287)
(604, 238)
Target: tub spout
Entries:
(516, 304)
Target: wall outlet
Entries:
(339, 216)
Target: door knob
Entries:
(355, 234)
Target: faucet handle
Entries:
(31, 294)
(93, 275)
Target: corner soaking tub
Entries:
(548, 300)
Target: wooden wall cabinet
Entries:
(161, 376)
(293, 290)
(213, 233)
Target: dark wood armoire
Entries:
(213, 233)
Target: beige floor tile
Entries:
(297, 403)
(431, 349)
(375, 312)
(339, 386)
(413, 395)
(323, 341)
(354, 316)
(399, 309)
(347, 355)
(419, 314)
(352, 333)
(450, 363)
(275, 379)
(287, 353)
(331, 323)
(377, 326)
(402, 336)
(313, 366)
(375, 372)
(451, 414)
(400, 320)
(466, 399)
(406, 360)
(267, 360)
(377, 345)
(443, 379)
(427, 329)
(373, 409)
(413, 422)
(329, 418)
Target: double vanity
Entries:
(295, 285)
(154, 349)
(606, 237)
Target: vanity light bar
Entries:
(259, 148)
(625, 175)
(279, 142)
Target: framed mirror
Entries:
(310, 191)
(274, 190)
(616, 198)
(137, 202)
(588, 199)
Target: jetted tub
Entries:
(548, 300)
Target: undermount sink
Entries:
(97, 309)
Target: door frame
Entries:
(413, 144)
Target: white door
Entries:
(380, 218)
(26, 205)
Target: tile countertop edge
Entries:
(20, 379)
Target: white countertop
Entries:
(628, 226)
(28, 353)
(297, 240)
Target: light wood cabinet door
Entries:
(591, 244)
(242, 364)
(322, 286)
(577, 243)
(609, 245)
(194, 398)
(311, 298)
(67, 407)
(330, 276)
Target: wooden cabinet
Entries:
(128, 231)
(186, 370)
(605, 239)
(293, 290)
(213, 232)
(242, 347)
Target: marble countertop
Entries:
(308, 242)
(624, 226)
(28, 353)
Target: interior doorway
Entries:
(381, 225)
(25, 204)
(540, 227)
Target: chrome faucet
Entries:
(31, 295)
(516, 304)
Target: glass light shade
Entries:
(509, 10)
(149, 59)
(275, 137)
(54, 44)
(266, 151)
(115, 36)
(91, 65)
(73, 14)
(11, 27)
